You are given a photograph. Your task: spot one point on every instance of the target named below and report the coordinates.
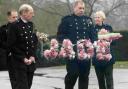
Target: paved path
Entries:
(53, 78)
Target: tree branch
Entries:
(115, 6)
(47, 11)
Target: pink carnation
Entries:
(67, 49)
(47, 54)
(80, 46)
(100, 56)
(82, 55)
(62, 53)
(88, 43)
(90, 52)
(85, 49)
(103, 31)
(108, 57)
(67, 43)
(102, 50)
(53, 53)
(54, 43)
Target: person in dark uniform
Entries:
(22, 42)
(103, 68)
(12, 16)
(75, 27)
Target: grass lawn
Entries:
(121, 64)
(118, 64)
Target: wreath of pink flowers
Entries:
(103, 50)
(52, 53)
(67, 50)
(103, 44)
(85, 49)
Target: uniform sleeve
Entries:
(113, 42)
(35, 46)
(11, 36)
(62, 33)
(35, 41)
(110, 29)
(1, 43)
(3, 37)
(11, 43)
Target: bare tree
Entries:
(116, 5)
(108, 6)
(112, 8)
(90, 6)
(51, 7)
(69, 6)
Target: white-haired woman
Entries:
(103, 60)
(22, 42)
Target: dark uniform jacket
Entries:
(22, 41)
(3, 39)
(103, 62)
(3, 35)
(75, 28)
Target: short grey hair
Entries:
(77, 2)
(25, 8)
(100, 14)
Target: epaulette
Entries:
(89, 20)
(17, 21)
(66, 17)
(3, 26)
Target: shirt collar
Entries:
(25, 21)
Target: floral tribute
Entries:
(103, 44)
(102, 50)
(105, 35)
(85, 49)
(52, 53)
(42, 36)
(67, 50)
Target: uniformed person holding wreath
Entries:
(75, 27)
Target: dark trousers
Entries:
(21, 76)
(105, 77)
(23, 79)
(77, 69)
(11, 71)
